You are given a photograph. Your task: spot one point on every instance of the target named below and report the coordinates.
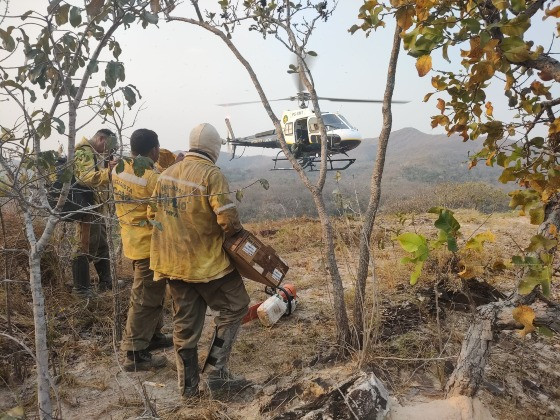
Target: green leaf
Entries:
(61, 16)
(75, 16)
(539, 242)
(416, 244)
(537, 215)
(264, 183)
(60, 127)
(120, 166)
(312, 53)
(26, 14)
(92, 67)
(156, 224)
(8, 42)
(447, 222)
(140, 164)
(545, 332)
(114, 71)
(515, 49)
(416, 273)
(516, 27)
(239, 195)
(151, 18)
(476, 243)
(518, 5)
(130, 96)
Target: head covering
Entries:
(205, 137)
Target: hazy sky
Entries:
(183, 71)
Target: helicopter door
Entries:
(302, 134)
(313, 128)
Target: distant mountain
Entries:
(415, 162)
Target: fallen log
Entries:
(491, 319)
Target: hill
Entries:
(421, 170)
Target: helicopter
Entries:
(301, 131)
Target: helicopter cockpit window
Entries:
(289, 129)
(334, 122)
(345, 121)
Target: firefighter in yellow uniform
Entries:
(92, 166)
(196, 214)
(132, 195)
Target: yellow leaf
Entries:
(553, 230)
(469, 271)
(404, 17)
(509, 81)
(525, 316)
(499, 265)
(554, 12)
(424, 65)
(554, 127)
(441, 105)
(489, 109)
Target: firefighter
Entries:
(92, 166)
(196, 214)
(145, 314)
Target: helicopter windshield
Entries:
(345, 121)
(334, 122)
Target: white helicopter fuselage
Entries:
(301, 126)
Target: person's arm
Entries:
(86, 171)
(225, 209)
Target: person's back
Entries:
(196, 212)
(132, 194)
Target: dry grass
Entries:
(406, 352)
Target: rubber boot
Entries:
(80, 277)
(160, 341)
(103, 268)
(143, 360)
(188, 372)
(220, 380)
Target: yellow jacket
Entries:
(196, 214)
(166, 159)
(86, 172)
(136, 232)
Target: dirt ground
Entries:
(297, 359)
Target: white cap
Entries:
(205, 137)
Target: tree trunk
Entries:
(40, 322)
(375, 190)
(340, 314)
(109, 224)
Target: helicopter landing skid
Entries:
(313, 164)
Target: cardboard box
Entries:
(255, 260)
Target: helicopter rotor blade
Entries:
(257, 102)
(372, 101)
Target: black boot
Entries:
(143, 360)
(160, 341)
(188, 373)
(219, 378)
(103, 268)
(80, 276)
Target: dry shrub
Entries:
(469, 195)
